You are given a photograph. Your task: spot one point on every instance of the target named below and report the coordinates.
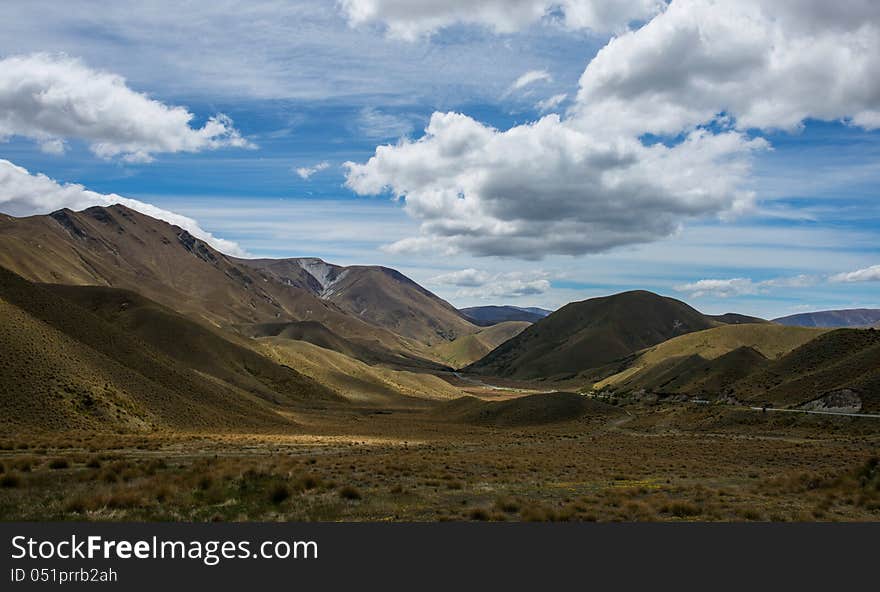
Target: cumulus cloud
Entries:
(487, 286)
(550, 103)
(762, 64)
(411, 19)
(308, 171)
(25, 194)
(702, 74)
(548, 187)
(50, 98)
(868, 274)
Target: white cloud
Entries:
(868, 274)
(484, 285)
(24, 194)
(724, 288)
(766, 64)
(531, 77)
(308, 171)
(411, 19)
(585, 183)
(380, 125)
(50, 98)
(721, 288)
(550, 103)
(548, 187)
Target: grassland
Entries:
(643, 463)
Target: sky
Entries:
(526, 152)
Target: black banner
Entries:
(458, 555)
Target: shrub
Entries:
(279, 493)
(59, 463)
(9, 481)
(350, 493)
(479, 514)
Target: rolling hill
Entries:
(356, 381)
(768, 340)
(63, 367)
(492, 315)
(470, 348)
(856, 317)
(591, 333)
(538, 409)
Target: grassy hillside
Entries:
(355, 380)
(470, 348)
(118, 247)
(64, 367)
(536, 409)
(769, 340)
(591, 333)
(837, 360)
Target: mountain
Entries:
(470, 348)
(699, 362)
(844, 363)
(99, 358)
(118, 247)
(591, 333)
(855, 317)
(491, 315)
(378, 295)
(732, 318)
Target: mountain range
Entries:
(855, 317)
(115, 320)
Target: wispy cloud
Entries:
(550, 103)
(868, 274)
(307, 171)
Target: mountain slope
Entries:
(470, 348)
(356, 381)
(856, 317)
(591, 333)
(770, 341)
(118, 247)
(840, 360)
(378, 295)
(64, 367)
(491, 315)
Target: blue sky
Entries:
(304, 84)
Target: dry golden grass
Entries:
(660, 463)
(353, 379)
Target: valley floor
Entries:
(647, 463)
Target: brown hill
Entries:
(378, 295)
(840, 360)
(370, 352)
(470, 348)
(538, 409)
(591, 333)
(854, 317)
(65, 367)
(769, 340)
(118, 247)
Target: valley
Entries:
(145, 375)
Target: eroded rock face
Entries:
(841, 401)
